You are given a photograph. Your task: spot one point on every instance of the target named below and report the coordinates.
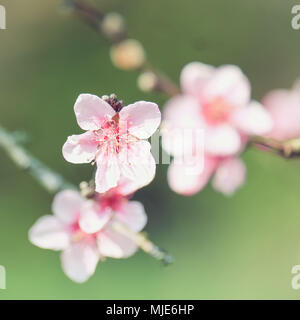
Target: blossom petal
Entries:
(49, 233)
(284, 108)
(194, 76)
(230, 175)
(93, 218)
(108, 172)
(91, 111)
(80, 148)
(222, 140)
(115, 245)
(133, 215)
(229, 83)
(253, 120)
(141, 118)
(79, 261)
(126, 186)
(182, 119)
(67, 205)
(137, 163)
(187, 180)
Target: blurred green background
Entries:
(224, 248)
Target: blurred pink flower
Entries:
(215, 104)
(216, 100)
(82, 229)
(284, 107)
(229, 174)
(115, 140)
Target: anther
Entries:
(113, 101)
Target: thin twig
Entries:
(53, 182)
(144, 243)
(94, 18)
(87, 13)
(47, 178)
(287, 149)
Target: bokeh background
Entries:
(224, 248)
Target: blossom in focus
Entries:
(115, 139)
(216, 102)
(83, 230)
(284, 107)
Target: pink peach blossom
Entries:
(115, 140)
(229, 176)
(82, 230)
(216, 100)
(186, 181)
(284, 107)
(228, 173)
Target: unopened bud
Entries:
(105, 97)
(87, 189)
(113, 24)
(128, 54)
(147, 81)
(113, 101)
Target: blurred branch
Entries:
(47, 178)
(286, 149)
(145, 244)
(88, 14)
(53, 182)
(21, 137)
(126, 54)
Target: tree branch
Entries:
(145, 244)
(46, 177)
(53, 183)
(286, 149)
(95, 18)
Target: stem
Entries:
(144, 243)
(87, 13)
(53, 182)
(287, 149)
(93, 17)
(47, 178)
(88, 191)
(164, 84)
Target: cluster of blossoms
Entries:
(216, 101)
(205, 129)
(83, 230)
(83, 227)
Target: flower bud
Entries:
(128, 55)
(113, 25)
(147, 81)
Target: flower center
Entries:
(109, 136)
(217, 111)
(112, 136)
(112, 200)
(79, 235)
(113, 101)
